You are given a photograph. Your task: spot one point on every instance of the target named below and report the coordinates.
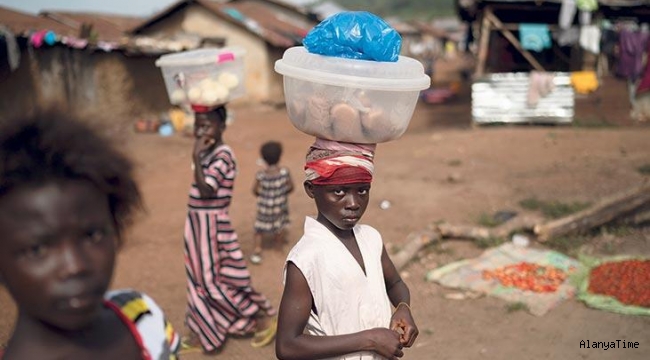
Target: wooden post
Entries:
(483, 47)
(513, 39)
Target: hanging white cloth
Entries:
(567, 13)
(590, 38)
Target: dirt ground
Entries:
(493, 168)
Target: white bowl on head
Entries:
(350, 100)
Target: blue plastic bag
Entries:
(354, 35)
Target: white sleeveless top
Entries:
(346, 299)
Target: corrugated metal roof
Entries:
(621, 3)
(325, 9)
(266, 19)
(502, 98)
(430, 29)
(108, 27)
(402, 27)
(277, 28)
(22, 23)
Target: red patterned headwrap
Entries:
(337, 163)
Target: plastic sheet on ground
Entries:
(467, 274)
(603, 302)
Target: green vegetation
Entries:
(489, 242)
(403, 9)
(553, 209)
(530, 204)
(487, 220)
(572, 245)
(644, 169)
(618, 230)
(568, 245)
(440, 249)
(516, 306)
(609, 248)
(592, 122)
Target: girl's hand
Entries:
(402, 322)
(385, 342)
(201, 145)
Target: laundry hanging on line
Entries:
(535, 37)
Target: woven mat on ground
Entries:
(467, 274)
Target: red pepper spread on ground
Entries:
(528, 276)
(628, 281)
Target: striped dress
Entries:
(220, 297)
(272, 205)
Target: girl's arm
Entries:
(256, 187)
(289, 182)
(201, 145)
(292, 343)
(399, 295)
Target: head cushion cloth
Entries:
(336, 163)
